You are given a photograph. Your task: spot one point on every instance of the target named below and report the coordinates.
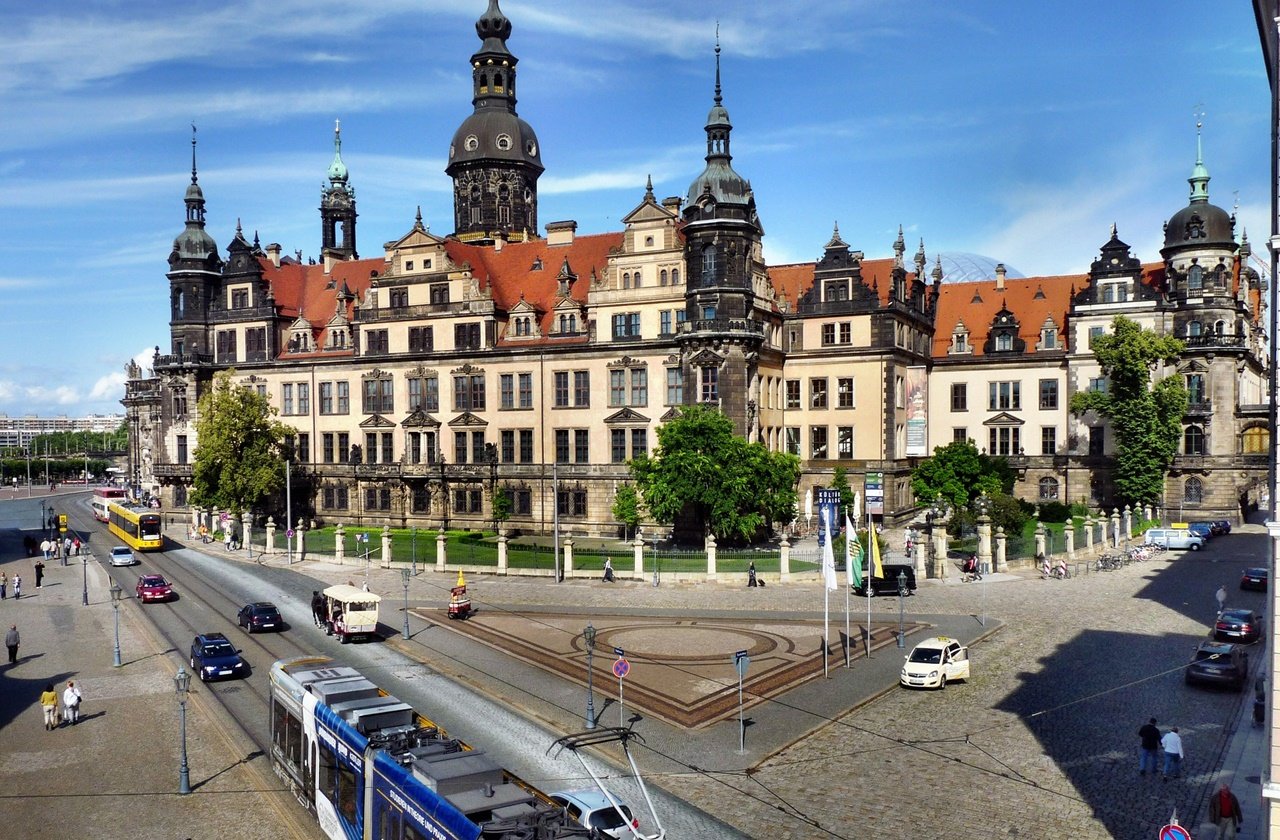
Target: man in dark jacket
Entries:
(1224, 812)
(1150, 736)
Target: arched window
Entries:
(1255, 441)
(1220, 327)
(1004, 341)
(1193, 441)
(675, 277)
(180, 495)
(709, 265)
(662, 277)
(1108, 294)
(1048, 489)
(626, 279)
(1193, 329)
(1193, 491)
(1195, 278)
(635, 280)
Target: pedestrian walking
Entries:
(608, 569)
(39, 567)
(71, 698)
(1221, 597)
(75, 545)
(49, 702)
(1224, 812)
(66, 550)
(1174, 754)
(17, 587)
(1149, 735)
(751, 574)
(46, 547)
(11, 641)
(4, 586)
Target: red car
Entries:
(154, 588)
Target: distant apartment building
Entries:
(18, 432)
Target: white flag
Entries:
(829, 554)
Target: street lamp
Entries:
(84, 568)
(404, 579)
(589, 636)
(182, 684)
(116, 592)
(902, 592)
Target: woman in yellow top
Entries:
(49, 700)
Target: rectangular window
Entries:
(421, 339)
(1099, 384)
(844, 392)
(818, 442)
(388, 448)
(335, 498)
(664, 322)
(478, 453)
(370, 447)
(522, 502)
(344, 447)
(710, 383)
(326, 447)
(326, 398)
(1048, 440)
(1049, 339)
(572, 502)
(626, 325)
(581, 450)
(344, 398)
(846, 332)
(431, 394)
(226, 346)
(304, 398)
(617, 387)
(792, 440)
(377, 498)
(182, 449)
(468, 393)
(508, 439)
(507, 391)
(239, 298)
(460, 447)
(675, 386)
(378, 396)
(1004, 440)
(828, 334)
(639, 442)
(415, 447)
(524, 382)
(1004, 396)
(581, 388)
(639, 386)
(255, 344)
(420, 500)
(618, 445)
(526, 446)
(1048, 394)
(562, 446)
(844, 441)
(304, 448)
(818, 392)
(793, 393)
(959, 396)
(1097, 440)
(1094, 332)
(561, 389)
(1195, 388)
(960, 433)
(466, 337)
(286, 398)
(375, 342)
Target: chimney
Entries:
(328, 261)
(273, 253)
(672, 203)
(561, 233)
(999, 277)
(499, 239)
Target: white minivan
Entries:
(1174, 538)
(934, 662)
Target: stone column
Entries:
(784, 560)
(302, 535)
(1115, 527)
(1088, 533)
(246, 531)
(1002, 564)
(442, 550)
(637, 551)
(386, 546)
(1128, 523)
(271, 535)
(1146, 513)
(920, 550)
(340, 543)
(1069, 535)
(1041, 550)
(940, 550)
(711, 556)
(984, 543)
(568, 556)
(502, 552)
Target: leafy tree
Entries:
(502, 504)
(1145, 418)
(239, 459)
(626, 507)
(702, 475)
(960, 473)
(840, 483)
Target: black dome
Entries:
(495, 134)
(1200, 224)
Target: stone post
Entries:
(1002, 564)
(711, 556)
(339, 543)
(1146, 512)
(246, 531)
(1128, 523)
(386, 546)
(1041, 550)
(940, 549)
(302, 536)
(1088, 533)
(984, 543)
(1115, 527)
(442, 549)
(502, 552)
(568, 556)
(637, 551)
(784, 560)
(1069, 535)
(271, 535)
(921, 559)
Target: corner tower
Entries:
(338, 208)
(194, 273)
(494, 159)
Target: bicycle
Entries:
(1060, 572)
(1110, 562)
(970, 577)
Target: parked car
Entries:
(154, 588)
(1237, 625)
(1218, 663)
(1254, 578)
(1202, 529)
(122, 555)
(261, 615)
(213, 656)
(888, 585)
(934, 662)
(592, 809)
(1223, 525)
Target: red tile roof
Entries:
(1031, 300)
(791, 281)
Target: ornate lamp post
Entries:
(902, 592)
(404, 579)
(84, 569)
(589, 636)
(116, 592)
(181, 684)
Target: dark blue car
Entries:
(1202, 529)
(213, 657)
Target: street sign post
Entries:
(620, 669)
(740, 663)
(1174, 832)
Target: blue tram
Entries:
(367, 766)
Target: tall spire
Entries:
(1199, 179)
(718, 98)
(193, 153)
(195, 196)
(337, 169)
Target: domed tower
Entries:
(194, 272)
(1199, 240)
(494, 159)
(338, 207)
(724, 265)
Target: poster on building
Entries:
(875, 493)
(917, 411)
(828, 512)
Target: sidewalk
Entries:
(1242, 768)
(118, 768)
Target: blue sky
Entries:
(1020, 130)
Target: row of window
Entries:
(1005, 396)
(633, 279)
(464, 500)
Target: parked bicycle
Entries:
(1110, 562)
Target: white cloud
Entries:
(109, 387)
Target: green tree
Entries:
(239, 459)
(960, 473)
(840, 483)
(502, 504)
(626, 507)
(1146, 418)
(702, 475)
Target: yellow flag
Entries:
(877, 570)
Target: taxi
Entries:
(935, 662)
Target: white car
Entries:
(121, 555)
(592, 809)
(934, 662)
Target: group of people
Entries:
(54, 548)
(71, 698)
(1224, 807)
(17, 583)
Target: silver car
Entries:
(121, 555)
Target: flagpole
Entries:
(849, 535)
(826, 590)
(871, 570)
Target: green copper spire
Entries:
(337, 169)
(1199, 179)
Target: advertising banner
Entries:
(917, 411)
(875, 493)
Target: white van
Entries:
(1174, 538)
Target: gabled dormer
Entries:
(523, 321)
(650, 226)
(1003, 335)
(960, 344)
(1050, 336)
(301, 336)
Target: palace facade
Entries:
(541, 360)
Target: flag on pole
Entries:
(828, 556)
(875, 570)
(852, 555)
